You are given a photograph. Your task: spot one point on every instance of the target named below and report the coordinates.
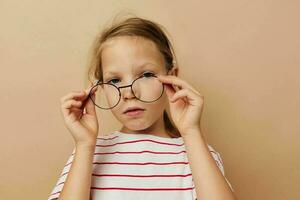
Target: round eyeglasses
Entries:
(146, 88)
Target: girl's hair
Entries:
(134, 26)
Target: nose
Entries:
(126, 92)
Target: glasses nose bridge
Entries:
(125, 86)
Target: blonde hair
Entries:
(134, 26)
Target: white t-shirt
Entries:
(139, 166)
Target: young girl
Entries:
(152, 156)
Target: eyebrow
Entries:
(138, 68)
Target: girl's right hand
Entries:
(80, 117)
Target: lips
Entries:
(134, 108)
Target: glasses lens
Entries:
(147, 88)
(107, 96)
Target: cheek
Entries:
(161, 103)
(156, 108)
(164, 102)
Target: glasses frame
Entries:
(118, 88)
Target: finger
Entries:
(173, 86)
(69, 104)
(75, 109)
(77, 94)
(184, 93)
(91, 88)
(90, 106)
(179, 83)
(170, 91)
(89, 94)
(71, 95)
(177, 88)
(85, 99)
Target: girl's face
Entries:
(129, 57)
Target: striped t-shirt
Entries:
(139, 166)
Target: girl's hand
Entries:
(80, 116)
(186, 103)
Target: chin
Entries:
(137, 124)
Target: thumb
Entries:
(169, 91)
(90, 106)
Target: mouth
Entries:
(134, 111)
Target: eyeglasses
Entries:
(146, 88)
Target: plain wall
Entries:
(243, 56)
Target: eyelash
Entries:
(146, 72)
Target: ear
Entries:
(173, 71)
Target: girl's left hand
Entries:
(186, 103)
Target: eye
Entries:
(150, 74)
(145, 74)
(112, 80)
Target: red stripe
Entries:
(135, 141)
(101, 163)
(144, 176)
(143, 140)
(147, 163)
(124, 163)
(118, 188)
(130, 175)
(99, 138)
(138, 152)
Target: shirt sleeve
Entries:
(219, 162)
(62, 178)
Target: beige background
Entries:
(243, 56)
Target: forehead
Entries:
(126, 53)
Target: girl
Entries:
(152, 156)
